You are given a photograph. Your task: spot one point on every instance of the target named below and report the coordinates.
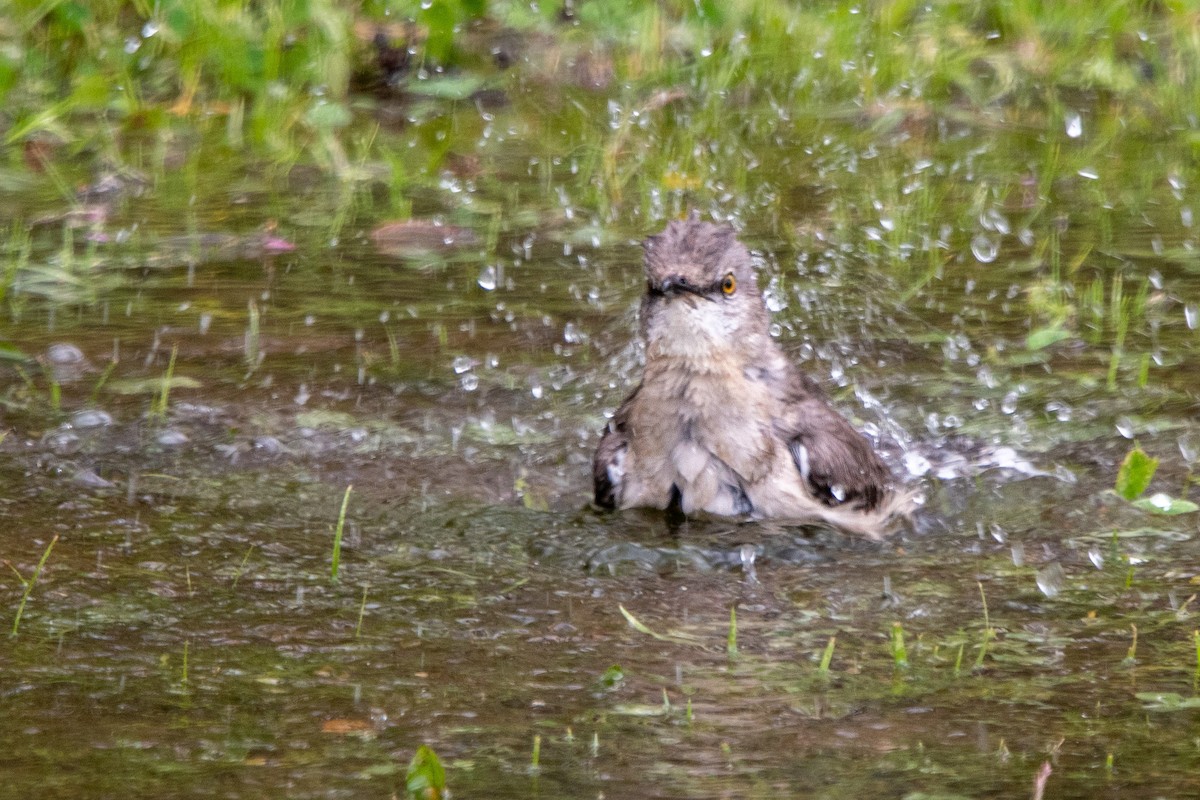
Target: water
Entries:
(185, 636)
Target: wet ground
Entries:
(200, 357)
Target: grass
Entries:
(335, 559)
(362, 610)
(29, 584)
(160, 404)
(827, 657)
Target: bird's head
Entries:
(701, 294)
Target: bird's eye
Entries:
(729, 285)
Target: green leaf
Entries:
(1166, 505)
(131, 386)
(426, 776)
(1167, 701)
(10, 352)
(454, 87)
(439, 20)
(326, 116)
(612, 676)
(1044, 337)
(1136, 471)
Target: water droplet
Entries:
(1090, 173)
(746, 554)
(461, 364)
(132, 45)
(1161, 500)
(149, 29)
(1189, 447)
(171, 438)
(1018, 554)
(1051, 579)
(537, 391)
(91, 418)
(470, 382)
(572, 334)
(1060, 410)
(1009, 404)
(916, 464)
(1074, 125)
(985, 248)
(1096, 557)
(1191, 314)
(64, 354)
(1125, 427)
(487, 278)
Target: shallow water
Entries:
(185, 636)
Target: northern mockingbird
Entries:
(722, 422)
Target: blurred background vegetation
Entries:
(284, 78)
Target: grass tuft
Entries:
(29, 584)
(336, 558)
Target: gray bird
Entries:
(722, 422)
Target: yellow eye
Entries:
(729, 285)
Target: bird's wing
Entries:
(836, 461)
(608, 467)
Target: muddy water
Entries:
(185, 636)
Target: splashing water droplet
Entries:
(1125, 427)
(1191, 314)
(1096, 557)
(1189, 447)
(572, 334)
(1051, 579)
(1161, 500)
(1009, 404)
(487, 278)
(746, 554)
(985, 248)
(1074, 125)
(916, 464)
(461, 364)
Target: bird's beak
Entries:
(678, 287)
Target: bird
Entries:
(722, 421)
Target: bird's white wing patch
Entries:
(800, 455)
